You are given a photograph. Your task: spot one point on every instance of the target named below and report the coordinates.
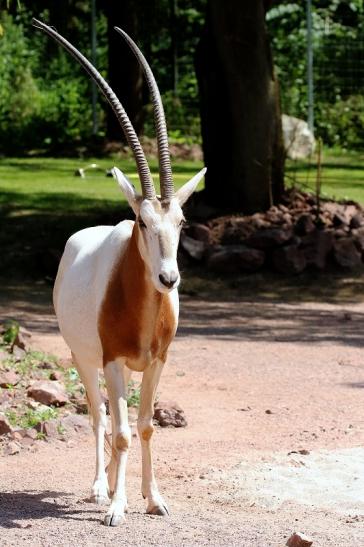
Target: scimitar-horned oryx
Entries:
(116, 299)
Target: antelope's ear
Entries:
(187, 189)
(128, 189)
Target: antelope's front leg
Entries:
(117, 391)
(156, 504)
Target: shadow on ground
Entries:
(21, 506)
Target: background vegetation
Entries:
(45, 99)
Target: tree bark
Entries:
(240, 110)
(125, 75)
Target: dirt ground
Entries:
(273, 392)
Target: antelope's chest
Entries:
(140, 333)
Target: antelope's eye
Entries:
(142, 223)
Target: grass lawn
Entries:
(342, 175)
(49, 185)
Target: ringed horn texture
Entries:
(165, 169)
(129, 132)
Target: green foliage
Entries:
(11, 332)
(338, 35)
(28, 418)
(133, 394)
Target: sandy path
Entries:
(228, 477)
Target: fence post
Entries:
(93, 60)
(310, 99)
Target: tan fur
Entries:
(136, 321)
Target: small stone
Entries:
(12, 448)
(268, 411)
(290, 259)
(299, 540)
(194, 248)
(56, 375)
(5, 426)
(48, 428)
(169, 414)
(48, 392)
(199, 232)
(346, 254)
(235, 258)
(304, 224)
(269, 238)
(18, 354)
(8, 378)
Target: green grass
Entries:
(342, 175)
(48, 184)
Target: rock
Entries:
(357, 221)
(32, 433)
(48, 428)
(75, 423)
(299, 141)
(22, 339)
(3, 355)
(56, 375)
(269, 238)
(358, 237)
(316, 247)
(299, 540)
(236, 258)
(304, 224)
(194, 248)
(199, 232)
(5, 426)
(169, 414)
(12, 448)
(27, 442)
(346, 254)
(8, 378)
(18, 354)
(290, 259)
(48, 392)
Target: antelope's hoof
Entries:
(160, 510)
(99, 500)
(113, 520)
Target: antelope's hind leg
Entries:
(90, 379)
(156, 504)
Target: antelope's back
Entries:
(82, 278)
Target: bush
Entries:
(342, 123)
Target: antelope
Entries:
(116, 299)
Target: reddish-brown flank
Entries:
(136, 321)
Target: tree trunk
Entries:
(240, 111)
(125, 75)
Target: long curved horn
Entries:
(129, 132)
(165, 169)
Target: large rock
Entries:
(199, 232)
(269, 238)
(316, 247)
(235, 258)
(299, 141)
(346, 253)
(193, 247)
(290, 259)
(169, 414)
(48, 393)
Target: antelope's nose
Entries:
(168, 281)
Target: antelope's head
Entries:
(159, 219)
